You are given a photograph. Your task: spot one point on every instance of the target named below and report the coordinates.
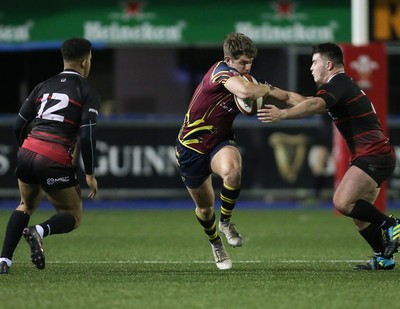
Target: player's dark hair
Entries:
(330, 51)
(75, 49)
(237, 44)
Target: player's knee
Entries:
(233, 178)
(342, 206)
(205, 213)
(22, 207)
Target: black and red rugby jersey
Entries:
(63, 108)
(354, 116)
(60, 105)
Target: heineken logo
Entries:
(16, 33)
(294, 33)
(145, 32)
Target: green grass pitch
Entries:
(162, 259)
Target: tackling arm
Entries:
(289, 97)
(308, 107)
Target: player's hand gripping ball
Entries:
(248, 107)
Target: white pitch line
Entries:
(207, 262)
(145, 262)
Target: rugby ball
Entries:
(248, 107)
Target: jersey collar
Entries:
(71, 71)
(332, 76)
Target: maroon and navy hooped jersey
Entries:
(354, 116)
(211, 111)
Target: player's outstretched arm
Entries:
(308, 107)
(289, 97)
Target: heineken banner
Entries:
(47, 23)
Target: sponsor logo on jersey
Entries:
(92, 110)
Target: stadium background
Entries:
(148, 58)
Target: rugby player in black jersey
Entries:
(60, 111)
(372, 157)
(206, 142)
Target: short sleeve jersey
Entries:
(354, 116)
(61, 104)
(211, 112)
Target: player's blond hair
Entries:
(237, 44)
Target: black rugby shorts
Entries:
(33, 168)
(379, 167)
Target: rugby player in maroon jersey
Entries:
(206, 142)
(372, 159)
(59, 112)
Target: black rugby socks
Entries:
(16, 224)
(367, 212)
